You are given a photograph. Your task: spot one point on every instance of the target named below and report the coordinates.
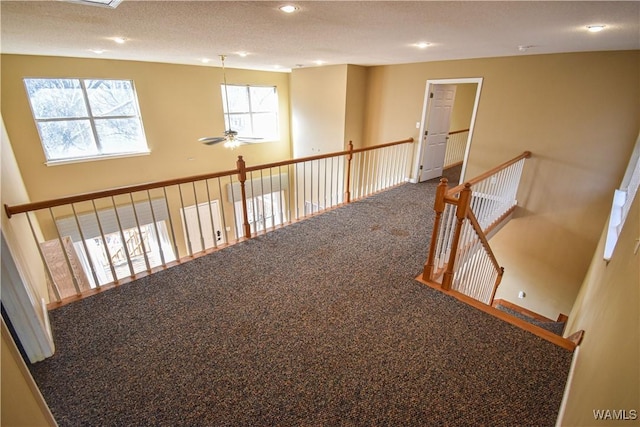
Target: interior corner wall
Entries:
(463, 106)
(356, 97)
(606, 370)
(22, 404)
(579, 113)
(17, 230)
(318, 106)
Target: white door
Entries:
(202, 229)
(434, 141)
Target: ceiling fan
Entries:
(230, 138)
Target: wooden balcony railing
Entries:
(460, 257)
(456, 146)
(94, 241)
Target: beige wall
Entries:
(463, 106)
(328, 106)
(17, 230)
(356, 96)
(578, 114)
(22, 403)
(179, 104)
(318, 103)
(607, 371)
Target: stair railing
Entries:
(460, 257)
(189, 217)
(456, 146)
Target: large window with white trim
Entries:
(252, 111)
(80, 119)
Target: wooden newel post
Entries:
(438, 207)
(495, 287)
(464, 202)
(242, 177)
(349, 157)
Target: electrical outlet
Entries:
(417, 125)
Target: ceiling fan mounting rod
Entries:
(226, 94)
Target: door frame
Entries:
(423, 123)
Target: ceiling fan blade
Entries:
(212, 140)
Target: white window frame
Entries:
(92, 121)
(622, 200)
(255, 133)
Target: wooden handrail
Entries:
(483, 239)
(487, 174)
(325, 156)
(458, 131)
(84, 197)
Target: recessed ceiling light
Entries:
(319, 62)
(422, 45)
(243, 54)
(119, 40)
(524, 47)
(288, 8)
(595, 28)
(205, 60)
(97, 51)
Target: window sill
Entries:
(95, 158)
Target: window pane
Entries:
(68, 129)
(241, 123)
(265, 125)
(111, 98)
(263, 99)
(120, 136)
(56, 98)
(238, 99)
(67, 139)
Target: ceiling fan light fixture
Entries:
(231, 143)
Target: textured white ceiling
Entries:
(337, 32)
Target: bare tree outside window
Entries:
(86, 118)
